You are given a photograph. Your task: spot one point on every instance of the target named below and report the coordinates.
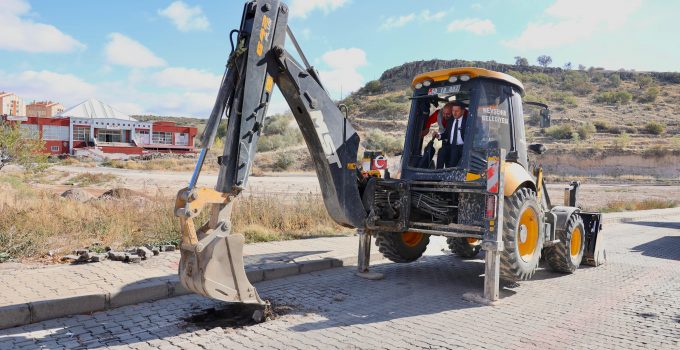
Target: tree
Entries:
(567, 66)
(373, 87)
(18, 145)
(521, 61)
(544, 60)
(581, 67)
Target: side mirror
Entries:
(537, 148)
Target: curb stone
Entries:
(14, 315)
(37, 311)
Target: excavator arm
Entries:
(212, 256)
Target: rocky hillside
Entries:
(610, 123)
(595, 111)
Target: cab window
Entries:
(491, 117)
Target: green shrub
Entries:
(596, 77)
(565, 98)
(622, 141)
(283, 161)
(577, 82)
(539, 78)
(278, 133)
(644, 81)
(585, 131)
(516, 74)
(649, 95)
(601, 125)
(615, 80)
(290, 137)
(614, 97)
(529, 97)
(654, 128)
(385, 108)
(378, 140)
(560, 132)
(277, 124)
(372, 87)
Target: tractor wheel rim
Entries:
(523, 233)
(527, 233)
(411, 239)
(575, 245)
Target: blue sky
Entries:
(167, 57)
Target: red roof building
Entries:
(95, 126)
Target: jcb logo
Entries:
(325, 137)
(265, 29)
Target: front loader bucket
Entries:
(214, 268)
(211, 262)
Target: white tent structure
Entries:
(94, 122)
(94, 109)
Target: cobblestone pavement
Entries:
(22, 285)
(632, 302)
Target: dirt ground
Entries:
(592, 195)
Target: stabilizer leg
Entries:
(364, 257)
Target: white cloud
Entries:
(473, 25)
(48, 85)
(342, 74)
(124, 51)
(396, 22)
(301, 8)
(400, 21)
(21, 34)
(185, 17)
(427, 16)
(141, 93)
(571, 23)
(187, 78)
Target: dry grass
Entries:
(647, 204)
(266, 218)
(79, 162)
(89, 179)
(34, 222)
(167, 164)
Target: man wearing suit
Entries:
(453, 138)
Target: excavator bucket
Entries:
(211, 262)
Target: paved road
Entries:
(632, 302)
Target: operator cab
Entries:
(492, 112)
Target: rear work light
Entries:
(490, 206)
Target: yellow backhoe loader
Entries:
(491, 199)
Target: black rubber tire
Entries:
(393, 247)
(463, 248)
(513, 266)
(559, 255)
